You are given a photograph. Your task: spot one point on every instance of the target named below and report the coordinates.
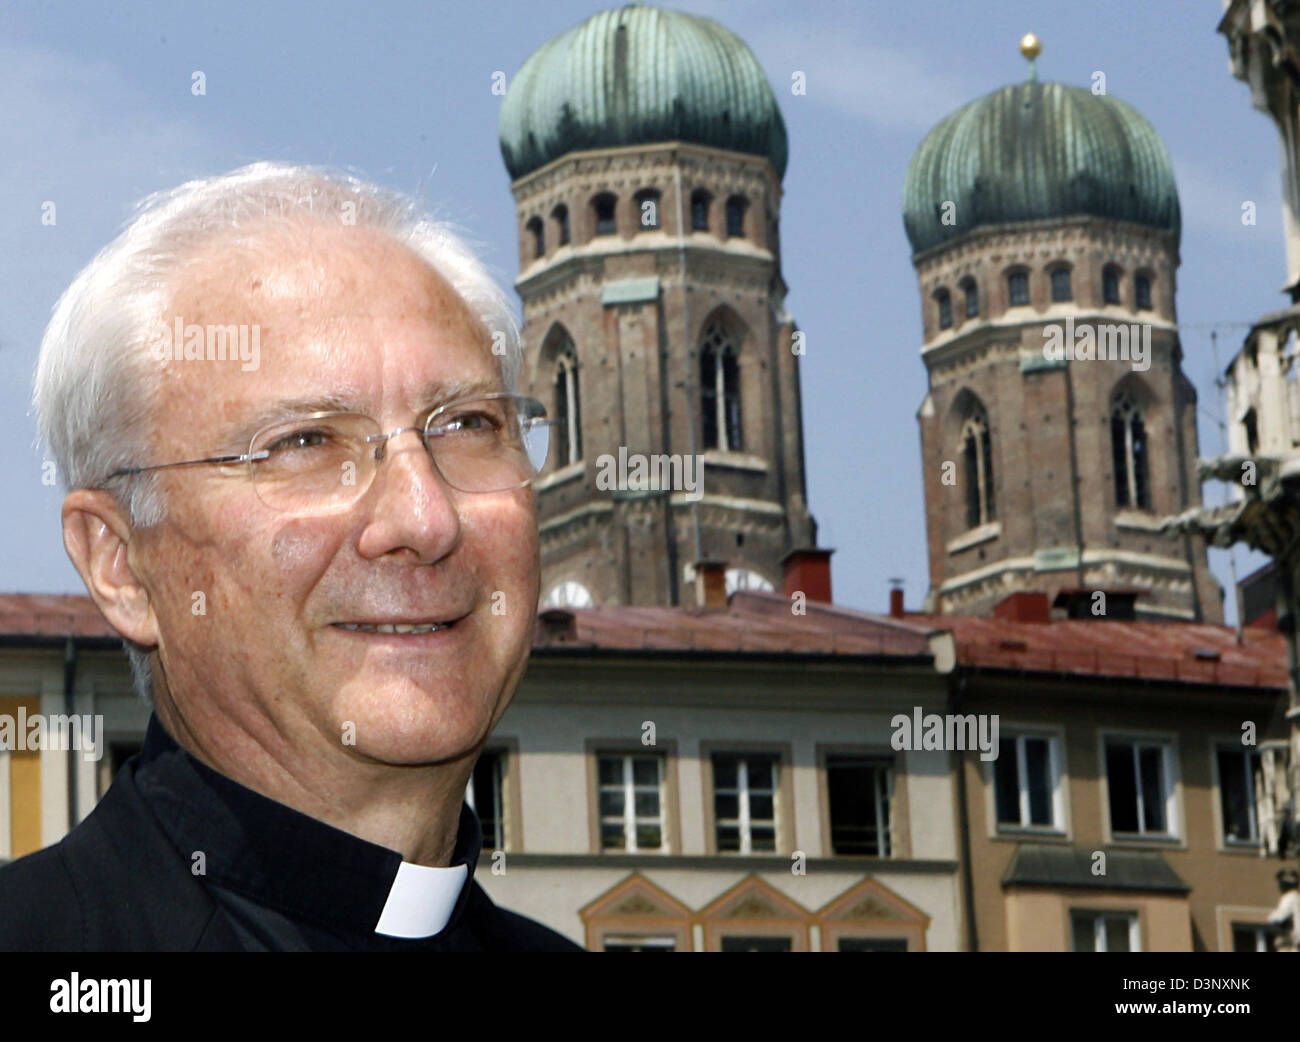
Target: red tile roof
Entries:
(763, 623)
(1188, 652)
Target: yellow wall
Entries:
(24, 786)
(1038, 920)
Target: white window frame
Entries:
(1054, 758)
(1169, 756)
(629, 788)
(743, 789)
(1099, 917)
(1252, 762)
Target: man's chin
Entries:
(410, 727)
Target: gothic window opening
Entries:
(1142, 292)
(539, 237)
(567, 412)
(944, 300)
(647, 209)
(561, 217)
(604, 205)
(1017, 288)
(1129, 442)
(1061, 289)
(700, 200)
(736, 207)
(972, 293)
(720, 390)
(977, 455)
(1110, 285)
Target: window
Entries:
(860, 792)
(977, 455)
(700, 200)
(757, 944)
(1110, 285)
(568, 416)
(486, 795)
(631, 803)
(1026, 783)
(873, 944)
(1104, 931)
(972, 293)
(1139, 775)
(640, 944)
(561, 217)
(1061, 285)
(1247, 937)
(605, 206)
(720, 390)
(569, 594)
(944, 300)
(647, 209)
(1237, 767)
(744, 802)
(539, 237)
(736, 207)
(1129, 446)
(1142, 292)
(1018, 288)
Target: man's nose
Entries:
(410, 506)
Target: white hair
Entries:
(96, 378)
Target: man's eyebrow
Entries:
(430, 397)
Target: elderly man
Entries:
(315, 530)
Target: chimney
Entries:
(808, 570)
(711, 585)
(896, 599)
(1025, 606)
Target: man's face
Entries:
(352, 322)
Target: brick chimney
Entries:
(896, 610)
(808, 570)
(711, 585)
(1025, 606)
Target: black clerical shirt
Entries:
(288, 882)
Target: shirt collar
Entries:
(279, 857)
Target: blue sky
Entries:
(96, 110)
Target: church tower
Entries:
(646, 151)
(1059, 429)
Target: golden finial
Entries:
(1031, 49)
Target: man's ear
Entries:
(98, 536)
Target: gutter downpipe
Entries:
(957, 696)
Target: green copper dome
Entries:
(1037, 150)
(637, 75)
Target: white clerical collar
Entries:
(421, 900)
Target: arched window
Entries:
(1061, 285)
(720, 390)
(568, 594)
(944, 300)
(539, 237)
(1110, 284)
(604, 206)
(568, 413)
(1252, 432)
(647, 209)
(1017, 287)
(972, 293)
(700, 200)
(736, 206)
(561, 217)
(977, 457)
(1129, 443)
(1142, 291)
